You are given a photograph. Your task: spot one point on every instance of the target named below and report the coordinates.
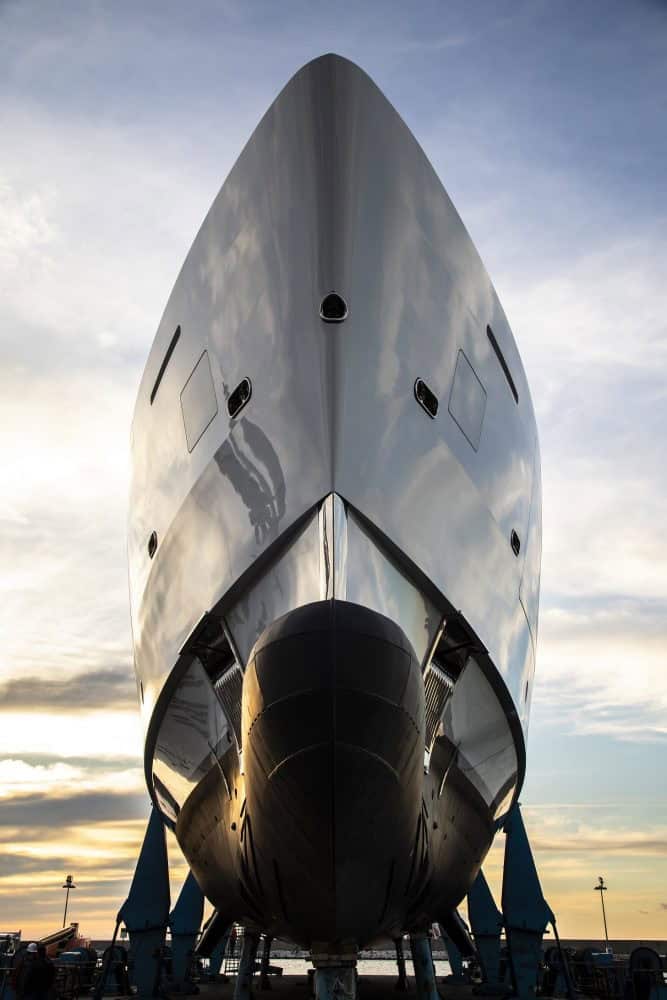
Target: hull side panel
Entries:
(331, 191)
(333, 490)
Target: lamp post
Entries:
(69, 884)
(602, 888)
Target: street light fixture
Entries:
(602, 888)
(69, 884)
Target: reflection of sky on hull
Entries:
(253, 468)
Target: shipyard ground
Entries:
(368, 988)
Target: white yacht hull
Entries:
(334, 591)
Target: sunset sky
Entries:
(546, 122)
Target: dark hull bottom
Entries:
(333, 835)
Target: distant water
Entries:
(366, 966)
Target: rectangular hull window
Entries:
(198, 401)
(467, 400)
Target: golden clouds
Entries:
(101, 854)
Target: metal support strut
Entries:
(335, 982)
(526, 913)
(217, 956)
(264, 980)
(243, 986)
(184, 921)
(486, 923)
(146, 910)
(402, 981)
(422, 959)
(213, 942)
(455, 959)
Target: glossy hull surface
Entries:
(334, 593)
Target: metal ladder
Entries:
(233, 951)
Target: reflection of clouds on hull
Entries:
(356, 797)
(253, 468)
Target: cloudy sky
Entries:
(546, 123)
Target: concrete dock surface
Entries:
(373, 987)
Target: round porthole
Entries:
(426, 399)
(333, 308)
(152, 544)
(239, 397)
